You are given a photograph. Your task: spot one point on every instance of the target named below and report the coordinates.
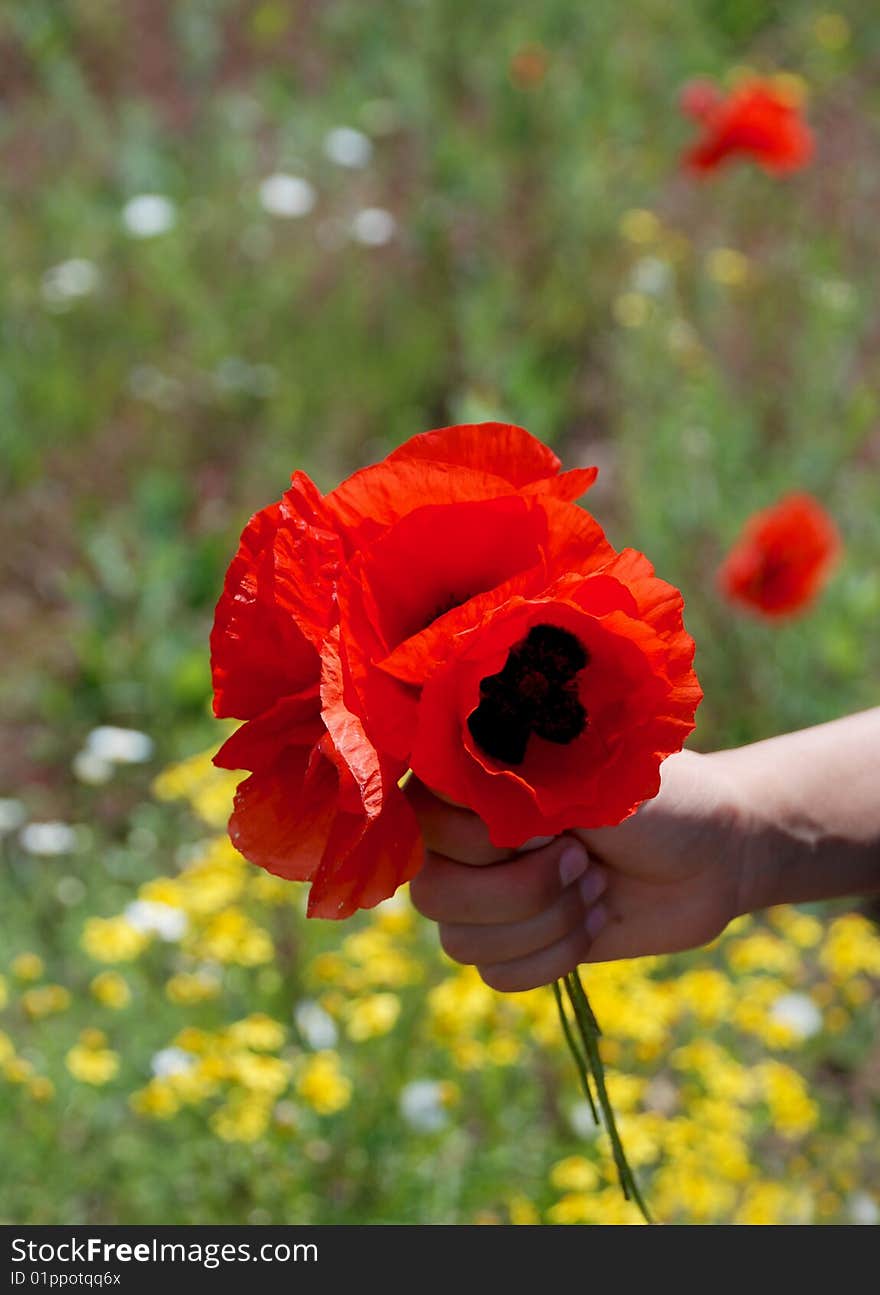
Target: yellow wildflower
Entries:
(707, 992)
(45, 1001)
(271, 890)
(209, 790)
(268, 1076)
(522, 1212)
(322, 1083)
(574, 1174)
(17, 1070)
(92, 1038)
(728, 267)
(640, 226)
(503, 1048)
(187, 988)
(851, 946)
(373, 1016)
(242, 1119)
(112, 939)
(92, 1065)
(395, 916)
(798, 927)
(41, 1089)
(259, 1032)
(763, 951)
(157, 1100)
(231, 936)
(832, 31)
(769, 1203)
(111, 990)
(27, 966)
(192, 1039)
(792, 1110)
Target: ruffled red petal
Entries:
(292, 721)
(352, 750)
(575, 547)
(258, 653)
(287, 820)
(449, 466)
(440, 556)
(364, 864)
(505, 450)
(282, 815)
(387, 708)
(372, 500)
(277, 605)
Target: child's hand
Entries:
(666, 879)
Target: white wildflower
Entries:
(374, 226)
(47, 838)
(315, 1025)
(148, 214)
(287, 196)
(348, 147)
(153, 918)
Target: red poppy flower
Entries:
(450, 610)
(449, 515)
(782, 558)
(550, 702)
(757, 120)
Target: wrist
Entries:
(790, 849)
(747, 826)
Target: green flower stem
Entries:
(586, 1056)
(579, 1059)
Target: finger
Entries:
(475, 945)
(451, 830)
(547, 964)
(511, 891)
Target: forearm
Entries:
(811, 805)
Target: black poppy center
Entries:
(535, 692)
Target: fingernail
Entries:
(596, 920)
(572, 863)
(592, 886)
(536, 843)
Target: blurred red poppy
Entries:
(782, 558)
(758, 119)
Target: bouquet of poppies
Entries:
(449, 613)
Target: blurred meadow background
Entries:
(242, 237)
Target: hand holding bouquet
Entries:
(451, 613)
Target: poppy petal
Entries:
(505, 450)
(282, 815)
(257, 653)
(362, 865)
(440, 556)
(292, 721)
(346, 730)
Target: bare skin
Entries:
(791, 819)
